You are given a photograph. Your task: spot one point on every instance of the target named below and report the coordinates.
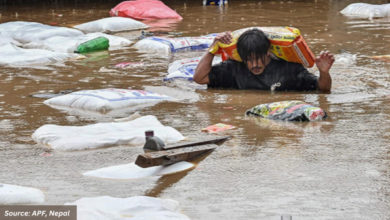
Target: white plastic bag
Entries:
(70, 44)
(135, 208)
(185, 68)
(111, 24)
(13, 194)
(104, 134)
(133, 171)
(26, 32)
(11, 55)
(165, 45)
(105, 100)
(5, 39)
(364, 10)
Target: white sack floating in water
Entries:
(13, 56)
(26, 32)
(133, 171)
(105, 100)
(13, 194)
(364, 10)
(135, 208)
(104, 134)
(185, 68)
(5, 39)
(111, 24)
(165, 45)
(70, 44)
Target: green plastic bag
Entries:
(96, 44)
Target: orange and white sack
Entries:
(287, 43)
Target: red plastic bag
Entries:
(218, 128)
(144, 9)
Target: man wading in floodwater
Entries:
(259, 70)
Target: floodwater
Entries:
(335, 169)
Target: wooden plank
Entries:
(213, 140)
(167, 157)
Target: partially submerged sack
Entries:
(104, 134)
(144, 9)
(13, 56)
(133, 171)
(287, 43)
(136, 208)
(112, 24)
(364, 10)
(70, 44)
(5, 39)
(185, 68)
(288, 111)
(26, 32)
(105, 100)
(13, 194)
(167, 45)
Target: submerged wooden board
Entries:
(167, 157)
(213, 140)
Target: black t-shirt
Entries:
(281, 74)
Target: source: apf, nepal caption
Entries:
(36, 213)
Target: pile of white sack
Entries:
(31, 43)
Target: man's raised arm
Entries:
(203, 69)
(324, 62)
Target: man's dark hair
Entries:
(253, 44)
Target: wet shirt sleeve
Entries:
(305, 80)
(222, 76)
(295, 77)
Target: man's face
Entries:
(256, 66)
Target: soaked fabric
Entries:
(288, 111)
(278, 75)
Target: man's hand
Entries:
(324, 62)
(203, 68)
(225, 37)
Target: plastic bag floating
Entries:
(288, 111)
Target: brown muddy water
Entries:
(335, 169)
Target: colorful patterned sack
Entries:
(288, 111)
